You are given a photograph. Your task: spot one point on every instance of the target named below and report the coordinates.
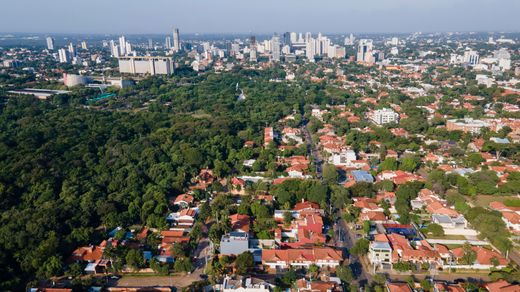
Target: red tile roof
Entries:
(239, 221)
(306, 205)
(184, 198)
(87, 253)
(502, 286)
(398, 287)
(291, 255)
(484, 255)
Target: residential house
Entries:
(402, 250)
(234, 243)
(184, 218)
(184, 201)
(444, 287)
(292, 134)
(238, 186)
(282, 259)
(510, 216)
(304, 285)
(268, 136)
(243, 285)
(380, 252)
(240, 223)
(398, 177)
(370, 210)
(502, 286)
(297, 171)
(169, 237)
(450, 222)
(486, 258)
(398, 287)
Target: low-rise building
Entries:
(344, 158)
(467, 125)
(234, 243)
(243, 285)
(282, 259)
(146, 65)
(383, 116)
(380, 253)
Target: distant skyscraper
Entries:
(62, 53)
(72, 50)
(50, 44)
(287, 38)
(471, 57)
(294, 38)
(308, 36)
(128, 49)
(364, 53)
(150, 43)
(349, 41)
(122, 45)
(176, 40)
(286, 49)
(206, 46)
(114, 49)
(310, 49)
(252, 55)
(252, 46)
(168, 43)
(235, 48)
(275, 48)
(322, 46)
(84, 45)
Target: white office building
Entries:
(471, 57)
(72, 50)
(128, 49)
(275, 48)
(384, 116)
(146, 65)
(252, 55)
(310, 49)
(122, 45)
(365, 53)
(63, 57)
(50, 44)
(294, 38)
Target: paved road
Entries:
(313, 151)
(346, 240)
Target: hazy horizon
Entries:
(265, 17)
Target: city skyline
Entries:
(226, 16)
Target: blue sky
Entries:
(260, 16)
